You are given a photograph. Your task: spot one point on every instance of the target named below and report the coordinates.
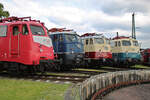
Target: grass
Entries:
(108, 67)
(91, 70)
(65, 74)
(140, 66)
(11, 89)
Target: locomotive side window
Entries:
(86, 41)
(91, 41)
(37, 30)
(55, 38)
(135, 43)
(3, 30)
(15, 30)
(112, 43)
(25, 30)
(116, 44)
(107, 41)
(60, 38)
(126, 43)
(99, 40)
(119, 44)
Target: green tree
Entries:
(2, 12)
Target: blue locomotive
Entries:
(67, 46)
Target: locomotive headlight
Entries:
(79, 46)
(41, 50)
(72, 51)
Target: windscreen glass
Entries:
(126, 43)
(37, 30)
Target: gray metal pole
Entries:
(133, 27)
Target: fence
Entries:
(85, 90)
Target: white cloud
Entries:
(62, 14)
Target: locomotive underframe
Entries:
(70, 60)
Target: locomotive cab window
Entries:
(71, 38)
(135, 43)
(112, 43)
(116, 44)
(37, 30)
(119, 44)
(15, 30)
(3, 30)
(91, 41)
(86, 41)
(99, 40)
(25, 30)
(126, 43)
(61, 38)
(107, 41)
(55, 37)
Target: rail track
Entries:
(72, 76)
(47, 78)
(59, 78)
(65, 77)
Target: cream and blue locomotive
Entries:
(125, 50)
(67, 46)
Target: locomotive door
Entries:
(90, 48)
(14, 40)
(87, 48)
(60, 43)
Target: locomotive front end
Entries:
(126, 50)
(25, 44)
(73, 49)
(42, 45)
(68, 47)
(97, 49)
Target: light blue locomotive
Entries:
(126, 50)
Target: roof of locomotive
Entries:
(53, 31)
(120, 37)
(65, 32)
(19, 20)
(123, 38)
(92, 35)
(146, 50)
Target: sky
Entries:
(101, 16)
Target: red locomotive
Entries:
(23, 42)
(146, 56)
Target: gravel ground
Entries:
(138, 92)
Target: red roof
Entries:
(120, 37)
(59, 30)
(15, 19)
(90, 34)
